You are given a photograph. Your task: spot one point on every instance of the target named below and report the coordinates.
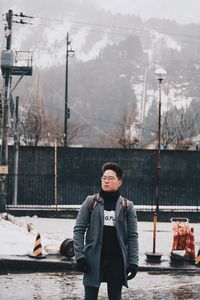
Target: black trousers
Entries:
(111, 271)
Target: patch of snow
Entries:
(178, 100)
(18, 236)
(171, 43)
(94, 51)
(158, 40)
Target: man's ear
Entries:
(120, 182)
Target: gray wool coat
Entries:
(88, 232)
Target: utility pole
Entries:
(67, 110)
(10, 66)
(7, 84)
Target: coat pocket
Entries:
(88, 246)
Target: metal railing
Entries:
(40, 191)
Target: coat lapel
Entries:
(118, 207)
(101, 208)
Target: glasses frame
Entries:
(108, 179)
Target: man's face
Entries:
(110, 182)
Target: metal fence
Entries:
(48, 191)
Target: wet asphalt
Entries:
(152, 283)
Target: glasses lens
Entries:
(110, 179)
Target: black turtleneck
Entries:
(110, 245)
(110, 199)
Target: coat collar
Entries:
(118, 204)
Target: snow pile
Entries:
(18, 237)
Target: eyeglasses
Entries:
(109, 179)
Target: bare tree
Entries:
(168, 134)
(178, 133)
(75, 131)
(54, 130)
(127, 133)
(31, 127)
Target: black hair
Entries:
(114, 167)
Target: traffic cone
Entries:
(197, 259)
(190, 248)
(37, 251)
(175, 238)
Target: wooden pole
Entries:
(55, 175)
(154, 231)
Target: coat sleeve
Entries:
(133, 246)
(80, 228)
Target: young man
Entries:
(106, 237)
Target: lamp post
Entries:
(155, 256)
(160, 74)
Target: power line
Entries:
(123, 27)
(136, 29)
(106, 32)
(73, 110)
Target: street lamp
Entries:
(155, 256)
(160, 74)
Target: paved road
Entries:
(146, 285)
(61, 286)
(63, 228)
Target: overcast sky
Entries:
(183, 11)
